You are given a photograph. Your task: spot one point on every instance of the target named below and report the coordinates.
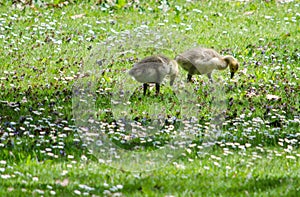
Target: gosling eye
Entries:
(234, 67)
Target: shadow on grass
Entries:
(265, 184)
(207, 186)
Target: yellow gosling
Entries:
(204, 61)
(153, 69)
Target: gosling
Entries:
(204, 61)
(153, 69)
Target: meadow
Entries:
(63, 62)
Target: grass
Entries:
(47, 55)
(238, 174)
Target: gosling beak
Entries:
(172, 79)
(171, 82)
(231, 75)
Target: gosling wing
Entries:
(196, 56)
(149, 72)
(154, 58)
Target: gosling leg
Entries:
(209, 77)
(189, 78)
(145, 88)
(157, 86)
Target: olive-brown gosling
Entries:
(153, 69)
(204, 61)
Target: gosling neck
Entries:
(172, 67)
(224, 62)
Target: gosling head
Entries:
(232, 63)
(173, 71)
